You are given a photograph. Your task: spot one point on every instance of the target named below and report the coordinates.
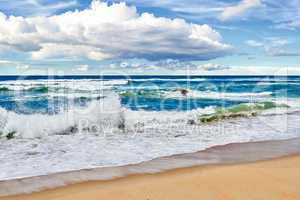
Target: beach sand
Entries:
(270, 180)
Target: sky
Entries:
(197, 37)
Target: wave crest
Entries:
(241, 110)
(99, 116)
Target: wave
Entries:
(218, 79)
(241, 110)
(169, 79)
(183, 93)
(45, 85)
(42, 89)
(102, 133)
(4, 89)
(58, 81)
(193, 94)
(99, 116)
(78, 95)
(251, 79)
(142, 93)
(107, 115)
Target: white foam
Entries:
(70, 95)
(215, 95)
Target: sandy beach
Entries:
(273, 179)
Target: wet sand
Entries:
(229, 172)
(274, 179)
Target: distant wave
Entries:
(218, 79)
(170, 79)
(214, 95)
(50, 85)
(193, 94)
(77, 95)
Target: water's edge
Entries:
(227, 154)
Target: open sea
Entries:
(63, 123)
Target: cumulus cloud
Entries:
(105, 31)
(239, 9)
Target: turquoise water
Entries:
(154, 93)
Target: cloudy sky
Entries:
(149, 36)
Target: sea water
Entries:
(57, 124)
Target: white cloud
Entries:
(115, 31)
(283, 13)
(239, 9)
(214, 67)
(293, 24)
(16, 64)
(6, 62)
(254, 43)
(175, 64)
(22, 67)
(173, 67)
(82, 68)
(169, 66)
(273, 46)
(60, 50)
(35, 7)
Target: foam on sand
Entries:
(228, 154)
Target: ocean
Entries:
(64, 123)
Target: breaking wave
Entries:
(99, 116)
(107, 115)
(241, 110)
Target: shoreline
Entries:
(272, 179)
(226, 155)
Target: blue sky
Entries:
(149, 37)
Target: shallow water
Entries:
(219, 155)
